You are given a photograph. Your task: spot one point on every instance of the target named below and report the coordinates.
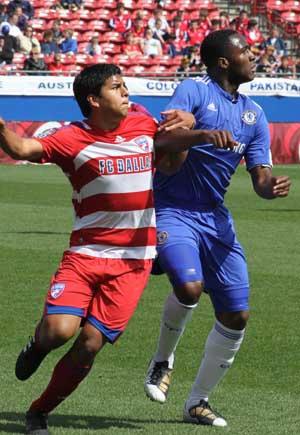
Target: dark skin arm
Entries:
(175, 142)
(267, 186)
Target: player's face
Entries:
(114, 96)
(242, 65)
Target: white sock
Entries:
(221, 346)
(175, 317)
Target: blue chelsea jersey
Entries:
(205, 175)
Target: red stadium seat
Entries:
(293, 5)
(110, 48)
(136, 69)
(145, 4)
(101, 58)
(130, 4)
(97, 26)
(109, 4)
(113, 37)
(123, 60)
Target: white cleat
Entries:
(203, 414)
(158, 381)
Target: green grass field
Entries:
(259, 396)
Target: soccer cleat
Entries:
(36, 423)
(28, 360)
(203, 414)
(158, 381)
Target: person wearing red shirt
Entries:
(121, 21)
(195, 33)
(109, 160)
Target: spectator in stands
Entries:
(130, 47)
(194, 57)
(56, 65)
(3, 13)
(26, 6)
(57, 32)
(22, 19)
(94, 48)
(120, 21)
(224, 20)
(151, 46)
(69, 44)
(179, 36)
(184, 69)
(215, 25)
(158, 14)
(159, 33)
(28, 41)
(286, 68)
(297, 67)
(72, 5)
(12, 22)
(272, 59)
(138, 30)
(195, 33)
(9, 45)
(183, 19)
(242, 21)
(264, 67)
(204, 22)
(276, 41)
(35, 64)
(48, 45)
(253, 34)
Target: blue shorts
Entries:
(202, 246)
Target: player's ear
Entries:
(93, 101)
(223, 63)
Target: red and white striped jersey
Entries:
(111, 175)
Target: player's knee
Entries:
(189, 293)
(235, 320)
(56, 331)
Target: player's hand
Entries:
(176, 118)
(281, 186)
(219, 138)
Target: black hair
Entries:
(90, 81)
(216, 45)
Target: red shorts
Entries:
(104, 291)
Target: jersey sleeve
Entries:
(187, 96)
(58, 148)
(258, 152)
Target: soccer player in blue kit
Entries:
(197, 244)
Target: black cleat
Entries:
(36, 423)
(28, 361)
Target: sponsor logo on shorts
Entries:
(57, 289)
(162, 237)
(249, 117)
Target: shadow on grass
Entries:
(13, 422)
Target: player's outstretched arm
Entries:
(268, 186)
(17, 147)
(176, 118)
(182, 139)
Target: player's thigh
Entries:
(117, 297)
(71, 287)
(226, 278)
(178, 247)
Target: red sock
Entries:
(65, 378)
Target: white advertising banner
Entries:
(62, 86)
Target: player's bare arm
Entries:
(181, 139)
(176, 118)
(267, 185)
(17, 147)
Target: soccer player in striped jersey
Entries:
(197, 244)
(109, 160)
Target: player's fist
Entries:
(281, 186)
(219, 138)
(176, 118)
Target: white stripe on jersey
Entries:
(206, 79)
(107, 251)
(117, 219)
(103, 149)
(122, 183)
